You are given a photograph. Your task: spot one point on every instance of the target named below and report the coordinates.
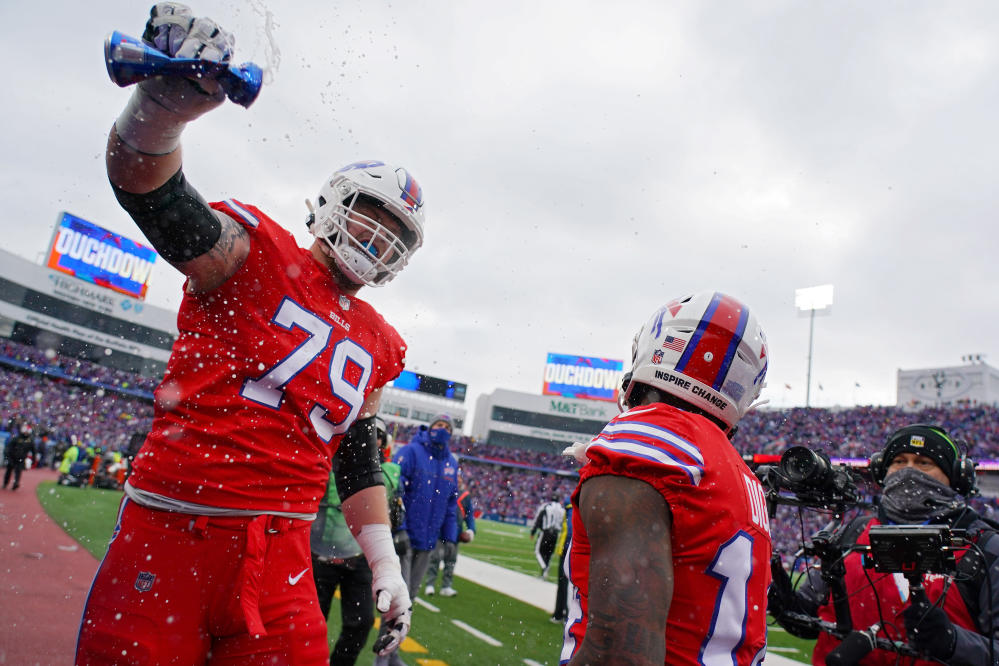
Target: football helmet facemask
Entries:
(706, 349)
(364, 249)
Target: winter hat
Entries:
(444, 418)
(929, 441)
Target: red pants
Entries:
(176, 588)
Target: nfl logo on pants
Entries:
(144, 581)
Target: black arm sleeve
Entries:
(178, 222)
(356, 465)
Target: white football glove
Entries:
(389, 588)
(161, 107)
(392, 601)
(175, 31)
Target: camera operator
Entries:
(925, 479)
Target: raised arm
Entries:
(631, 572)
(144, 157)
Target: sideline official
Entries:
(547, 521)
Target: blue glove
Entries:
(930, 630)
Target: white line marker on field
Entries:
(478, 634)
(531, 662)
(429, 606)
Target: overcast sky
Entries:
(583, 163)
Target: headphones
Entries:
(961, 474)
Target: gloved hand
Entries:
(466, 536)
(160, 107)
(393, 602)
(389, 588)
(175, 31)
(930, 630)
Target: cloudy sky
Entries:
(583, 163)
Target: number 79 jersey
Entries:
(268, 372)
(720, 534)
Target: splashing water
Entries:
(272, 54)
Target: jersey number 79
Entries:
(268, 389)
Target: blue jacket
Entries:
(428, 480)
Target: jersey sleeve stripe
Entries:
(647, 452)
(248, 218)
(656, 433)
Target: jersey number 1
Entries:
(733, 565)
(268, 389)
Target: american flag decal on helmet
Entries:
(412, 193)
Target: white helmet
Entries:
(395, 190)
(706, 349)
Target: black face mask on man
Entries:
(912, 497)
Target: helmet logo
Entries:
(412, 193)
(657, 357)
(361, 165)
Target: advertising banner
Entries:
(585, 377)
(94, 254)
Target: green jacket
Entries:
(71, 456)
(330, 536)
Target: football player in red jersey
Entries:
(669, 560)
(278, 366)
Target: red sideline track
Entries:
(44, 579)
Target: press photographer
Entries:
(925, 479)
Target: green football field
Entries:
(478, 626)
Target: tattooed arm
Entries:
(631, 572)
(205, 245)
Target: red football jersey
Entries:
(720, 536)
(268, 372)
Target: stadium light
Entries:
(811, 300)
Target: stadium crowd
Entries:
(60, 411)
(47, 362)
(65, 399)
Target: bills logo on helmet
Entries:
(412, 193)
(361, 165)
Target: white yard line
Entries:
(429, 606)
(530, 590)
(539, 593)
(478, 634)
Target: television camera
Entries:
(807, 479)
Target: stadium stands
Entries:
(65, 397)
